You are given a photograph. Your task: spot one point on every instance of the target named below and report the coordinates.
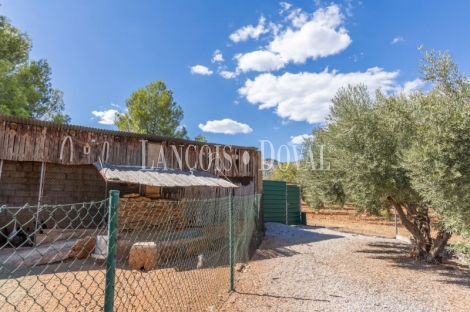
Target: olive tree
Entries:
(408, 151)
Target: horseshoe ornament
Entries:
(105, 152)
(86, 149)
(69, 138)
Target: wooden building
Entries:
(48, 163)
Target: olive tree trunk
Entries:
(425, 248)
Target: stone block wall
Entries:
(63, 185)
(138, 213)
(19, 183)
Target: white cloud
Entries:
(319, 37)
(275, 28)
(298, 18)
(285, 6)
(201, 70)
(259, 61)
(236, 102)
(106, 117)
(298, 140)
(411, 86)
(249, 31)
(228, 74)
(311, 36)
(357, 57)
(225, 126)
(115, 105)
(349, 7)
(217, 57)
(307, 96)
(396, 40)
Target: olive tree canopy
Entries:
(406, 151)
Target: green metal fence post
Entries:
(231, 247)
(111, 254)
(256, 220)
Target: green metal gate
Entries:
(274, 201)
(281, 202)
(293, 204)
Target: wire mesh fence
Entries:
(167, 255)
(45, 260)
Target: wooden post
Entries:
(41, 182)
(259, 174)
(396, 225)
(1, 169)
(259, 191)
(256, 204)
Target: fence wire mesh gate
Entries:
(125, 254)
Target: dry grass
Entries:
(346, 220)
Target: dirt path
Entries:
(315, 269)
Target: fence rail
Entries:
(125, 254)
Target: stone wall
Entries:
(63, 185)
(19, 183)
(138, 213)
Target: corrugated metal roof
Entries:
(160, 177)
(152, 138)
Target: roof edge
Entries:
(154, 138)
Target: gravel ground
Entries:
(317, 269)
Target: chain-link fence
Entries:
(130, 254)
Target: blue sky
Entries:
(282, 61)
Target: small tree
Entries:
(410, 152)
(151, 110)
(25, 88)
(285, 172)
(200, 138)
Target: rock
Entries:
(49, 257)
(124, 247)
(83, 247)
(200, 261)
(447, 253)
(131, 195)
(239, 267)
(143, 255)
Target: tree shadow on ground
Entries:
(275, 244)
(279, 297)
(451, 271)
(279, 240)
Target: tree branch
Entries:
(438, 246)
(406, 223)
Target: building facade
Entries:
(49, 163)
